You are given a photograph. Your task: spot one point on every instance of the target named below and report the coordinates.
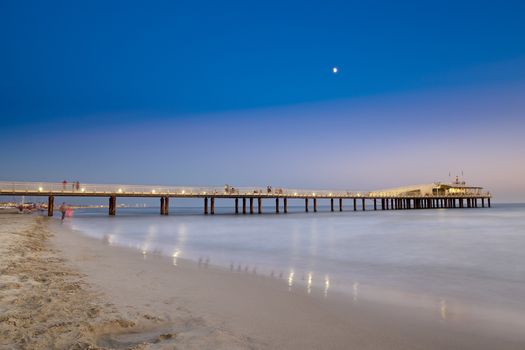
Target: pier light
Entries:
(83, 189)
(183, 192)
(120, 190)
(295, 194)
(313, 194)
(204, 192)
(330, 194)
(40, 189)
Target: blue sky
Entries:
(242, 92)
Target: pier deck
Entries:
(381, 200)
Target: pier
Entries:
(428, 196)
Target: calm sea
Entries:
(449, 257)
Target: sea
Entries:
(452, 261)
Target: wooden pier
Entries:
(442, 197)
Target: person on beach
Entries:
(63, 210)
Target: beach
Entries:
(63, 290)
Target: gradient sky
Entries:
(240, 92)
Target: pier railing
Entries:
(73, 188)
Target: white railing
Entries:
(97, 189)
(79, 188)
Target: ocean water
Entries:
(468, 258)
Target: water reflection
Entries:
(326, 285)
(443, 309)
(355, 291)
(150, 237)
(174, 256)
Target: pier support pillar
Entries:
(483, 202)
(251, 205)
(212, 205)
(315, 205)
(244, 205)
(277, 205)
(166, 205)
(488, 201)
(331, 204)
(206, 205)
(375, 204)
(355, 204)
(162, 207)
(50, 205)
(340, 204)
(363, 204)
(236, 205)
(306, 205)
(285, 205)
(259, 205)
(112, 205)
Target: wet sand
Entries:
(59, 289)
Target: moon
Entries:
(335, 70)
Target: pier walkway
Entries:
(439, 195)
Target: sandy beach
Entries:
(62, 290)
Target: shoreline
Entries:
(189, 306)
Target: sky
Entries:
(240, 92)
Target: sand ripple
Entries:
(46, 305)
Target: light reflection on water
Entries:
(469, 254)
